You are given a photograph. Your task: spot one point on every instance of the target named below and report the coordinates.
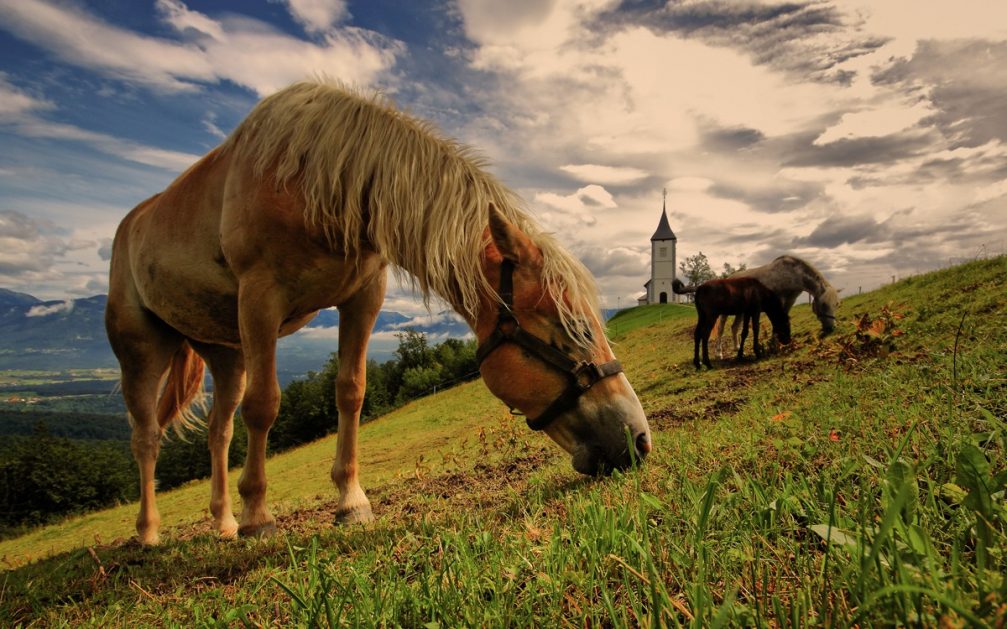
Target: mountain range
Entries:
(70, 334)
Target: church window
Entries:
(662, 252)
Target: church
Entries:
(662, 262)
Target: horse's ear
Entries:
(512, 243)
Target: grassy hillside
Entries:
(856, 480)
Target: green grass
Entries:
(625, 321)
(795, 491)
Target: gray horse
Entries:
(788, 277)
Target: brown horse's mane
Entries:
(365, 168)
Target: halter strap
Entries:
(581, 375)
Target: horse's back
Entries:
(731, 296)
(221, 225)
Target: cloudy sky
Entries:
(867, 136)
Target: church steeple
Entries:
(663, 228)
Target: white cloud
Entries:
(690, 184)
(606, 175)
(27, 246)
(429, 319)
(36, 127)
(43, 311)
(317, 15)
(183, 19)
(245, 51)
(210, 124)
(15, 103)
(81, 39)
(876, 121)
(578, 208)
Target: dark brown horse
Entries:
(734, 296)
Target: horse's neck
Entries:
(812, 282)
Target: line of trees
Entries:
(51, 473)
(308, 407)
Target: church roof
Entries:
(663, 228)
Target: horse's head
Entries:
(824, 306)
(563, 378)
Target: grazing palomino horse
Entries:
(303, 207)
(743, 296)
(789, 276)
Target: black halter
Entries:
(582, 375)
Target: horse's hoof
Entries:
(354, 515)
(257, 530)
(148, 539)
(228, 530)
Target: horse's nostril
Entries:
(643, 444)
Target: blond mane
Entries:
(369, 171)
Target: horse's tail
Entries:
(182, 390)
(680, 288)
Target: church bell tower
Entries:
(662, 260)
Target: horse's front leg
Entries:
(356, 319)
(259, 319)
(755, 334)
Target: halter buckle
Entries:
(507, 324)
(586, 374)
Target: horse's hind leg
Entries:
(744, 335)
(228, 369)
(356, 319)
(697, 340)
(703, 329)
(721, 324)
(144, 347)
(755, 335)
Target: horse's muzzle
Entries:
(592, 460)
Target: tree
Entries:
(418, 381)
(44, 477)
(696, 269)
(731, 270)
(413, 350)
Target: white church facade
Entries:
(662, 263)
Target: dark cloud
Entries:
(777, 196)
(964, 81)
(898, 229)
(105, 249)
(840, 230)
(859, 151)
(785, 36)
(728, 139)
